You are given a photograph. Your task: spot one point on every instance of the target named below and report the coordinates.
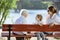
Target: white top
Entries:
(21, 20)
(38, 22)
(54, 19)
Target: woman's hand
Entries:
(40, 25)
(51, 25)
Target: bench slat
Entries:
(25, 27)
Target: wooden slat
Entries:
(30, 35)
(30, 27)
(16, 35)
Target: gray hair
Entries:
(23, 10)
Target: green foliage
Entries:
(38, 4)
(5, 5)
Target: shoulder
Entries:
(18, 20)
(48, 17)
(54, 16)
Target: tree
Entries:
(5, 5)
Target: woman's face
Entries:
(50, 13)
(25, 14)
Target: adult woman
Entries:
(52, 18)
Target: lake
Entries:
(11, 18)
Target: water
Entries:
(31, 16)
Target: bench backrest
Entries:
(30, 27)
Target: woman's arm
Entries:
(40, 24)
(51, 25)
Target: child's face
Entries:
(38, 19)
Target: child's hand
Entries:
(40, 25)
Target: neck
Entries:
(51, 15)
(38, 21)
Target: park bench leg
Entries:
(28, 38)
(8, 38)
(24, 38)
(9, 26)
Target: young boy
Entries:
(38, 19)
(39, 22)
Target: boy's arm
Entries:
(41, 24)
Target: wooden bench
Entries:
(29, 28)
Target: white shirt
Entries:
(54, 19)
(21, 20)
(38, 22)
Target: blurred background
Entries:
(10, 9)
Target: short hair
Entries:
(39, 16)
(51, 9)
